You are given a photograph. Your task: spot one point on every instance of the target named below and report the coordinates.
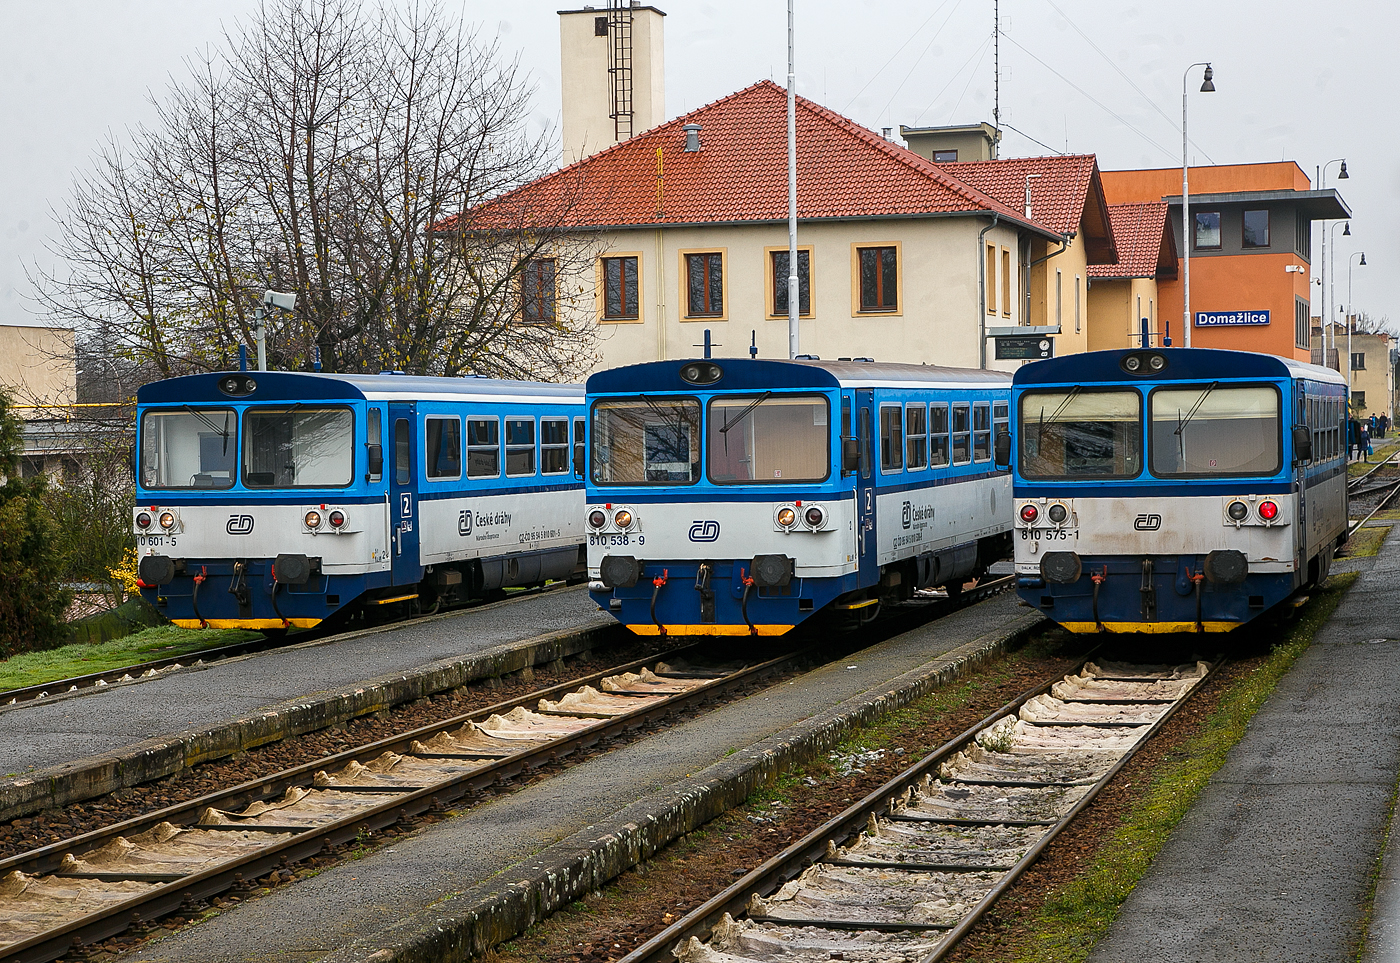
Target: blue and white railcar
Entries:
(1181, 489)
(266, 499)
(740, 497)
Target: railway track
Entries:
(60, 899)
(906, 872)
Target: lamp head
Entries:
(1209, 84)
(1343, 175)
(287, 302)
(1346, 229)
(1363, 259)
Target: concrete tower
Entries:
(613, 75)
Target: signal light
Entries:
(143, 520)
(1029, 513)
(336, 518)
(623, 518)
(1268, 510)
(1058, 513)
(1237, 511)
(596, 519)
(167, 520)
(786, 517)
(815, 516)
(312, 519)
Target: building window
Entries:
(621, 292)
(991, 282)
(444, 454)
(1358, 361)
(1076, 303)
(704, 285)
(537, 290)
(1256, 229)
(879, 278)
(891, 438)
(1358, 401)
(1302, 324)
(1005, 283)
(1059, 298)
(778, 266)
(1302, 234)
(945, 157)
(1207, 230)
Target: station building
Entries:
(1251, 252)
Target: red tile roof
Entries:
(1146, 247)
(1066, 194)
(740, 173)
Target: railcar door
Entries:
(403, 495)
(866, 549)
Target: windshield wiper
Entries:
(743, 414)
(212, 427)
(1040, 428)
(1181, 422)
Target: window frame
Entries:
(1006, 297)
(1354, 356)
(941, 157)
(857, 311)
(289, 407)
(912, 439)
(982, 408)
(374, 435)
(771, 282)
(534, 445)
(468, 446)
(578, 450)
(1196, 230)
(707, 409)
(1150, 462)
(552, 301)
(1244, 235)
(989, 283)
(235, 475)
(684, 255)
(602, 288)
(700, 428)
(954, 433)
(428, 473)
(946, 434)
(888, 442)
(566, 445)
(1020, 436)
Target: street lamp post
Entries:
(1329, 295)
(1207, 86)
(1350, 323)
(1322, 185)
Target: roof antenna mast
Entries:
(996, 66)
(793, 330)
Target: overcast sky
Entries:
(1301, 81)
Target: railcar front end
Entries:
(1175, 489)
(271, 500)
(741, 497)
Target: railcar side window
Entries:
(578, 445)
(189, 448)
(403, 460)
(554, 446)
(981, 432)
(769, 438)
(962, 438)
(298, 447)
(374, 436)
(938, 436)
(444, 447)
(520, 446)
(916, 436)
(891, 439)
(651, 441)
(483, 447)
(1076, 433)
(1211, 429)
(1001, 419)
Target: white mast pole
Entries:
(794, 332)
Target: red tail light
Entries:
(1268, 511)
(1029, 513)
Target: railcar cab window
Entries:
(1214, 429)
(298, 447)
(649, 441)
(768, 438)
(483, 447)
(444, 447)
(189, 448)
(1073, 433)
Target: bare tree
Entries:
(341, 152)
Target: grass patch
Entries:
(1366, 542)
(163, 641)
(1077, 914)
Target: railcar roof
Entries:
(748, 374)
(299, 385)
(1183, 364)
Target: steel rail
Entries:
(794, 859)
(1385, 499)
(1353, 483)
(303, 842)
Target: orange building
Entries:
(1251, 252)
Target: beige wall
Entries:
(38, 367)
(937, 321)
(1069, 264)
(1116, 307)
(586, 83)
(1377, 379)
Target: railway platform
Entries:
(1277, 858)
(459, 885)
(72, 746)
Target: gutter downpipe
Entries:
(982, 295)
